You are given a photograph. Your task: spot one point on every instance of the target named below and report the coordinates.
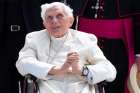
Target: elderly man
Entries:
(64, 60)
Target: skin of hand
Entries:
(60, 71)
(73, 60)
(70, 66)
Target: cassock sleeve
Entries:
(100, 69)
(28, 63)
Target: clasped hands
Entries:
(71, 65)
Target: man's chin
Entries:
(56, 33)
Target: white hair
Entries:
(46, 7)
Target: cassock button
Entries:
(95, 16)
(102, 41)
(101, 7)
(92, 7)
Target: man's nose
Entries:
(54, 20)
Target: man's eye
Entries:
(60, 16)
(49, 18)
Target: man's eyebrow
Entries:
(60, 14)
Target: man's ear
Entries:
(71, 20)
(44, 24)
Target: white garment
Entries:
(33, 59)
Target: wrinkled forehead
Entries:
(55, 9)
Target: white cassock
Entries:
(37, 57)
